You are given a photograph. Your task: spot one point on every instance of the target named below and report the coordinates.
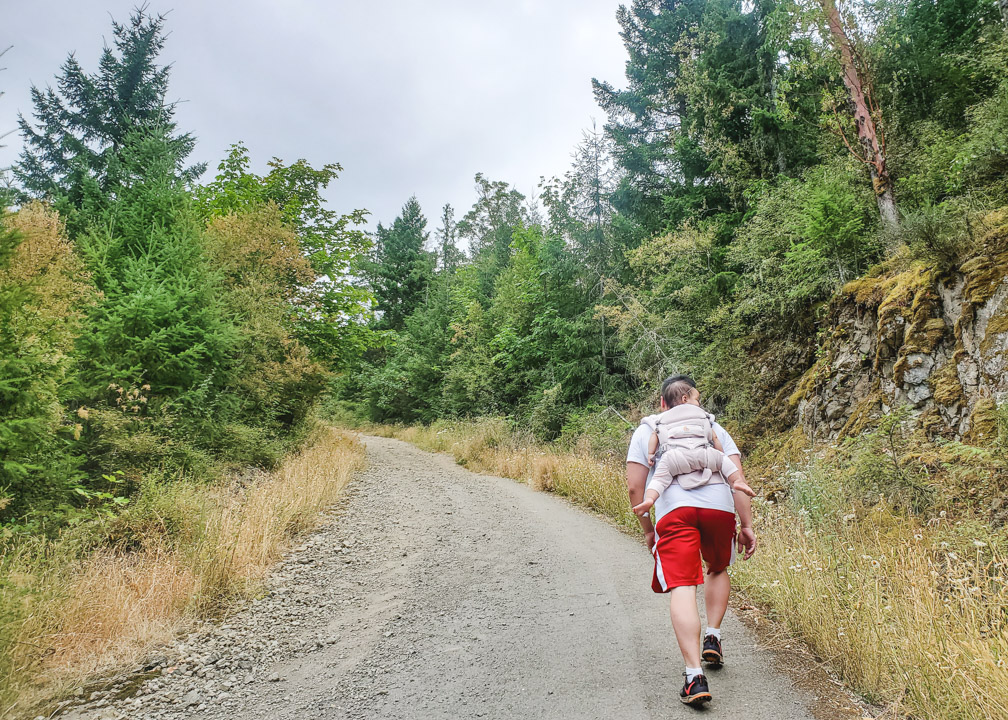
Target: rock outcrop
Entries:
(933, 342)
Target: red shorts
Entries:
(685, 535)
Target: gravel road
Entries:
(435, 592)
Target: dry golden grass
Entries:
(906, 617)
(80, 619)
(911, 612)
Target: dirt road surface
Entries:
(435, 592)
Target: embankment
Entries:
(95, 600)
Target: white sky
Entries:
(409, 97)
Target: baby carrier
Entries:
(686, 446)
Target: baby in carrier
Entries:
(687, 450)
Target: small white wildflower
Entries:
(979, 543)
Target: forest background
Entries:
(160, 331)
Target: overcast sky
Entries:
(409, 97)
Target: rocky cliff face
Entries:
(935, 343)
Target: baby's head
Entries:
(679, 390)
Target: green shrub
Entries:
(803, 240)
(937, 234)
(548, 413)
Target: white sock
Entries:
(692, 673)
(716, 632)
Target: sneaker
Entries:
(695, 692)
(712, 651)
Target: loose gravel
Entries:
(434, 592)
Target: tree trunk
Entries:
(868, 138)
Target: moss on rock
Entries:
(946, 386)
(996, 328)
(983, 429)
(985, 272)
(864, 415)
(805, 385)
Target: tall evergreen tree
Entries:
(159, 321)
(81, 127)
(705, 111)
(449, 255)
(402, 267)
(648, 119)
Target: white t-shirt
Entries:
(716, 495)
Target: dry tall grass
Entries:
(911, 612)
(200, 549)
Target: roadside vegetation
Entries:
(100, 596)
(716, 224)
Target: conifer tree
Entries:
(24, 417)
(489, 226)
(41, 291)
(81, 126)
(159, 321)
(402, 267)
(449, 255)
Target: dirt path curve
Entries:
(440, 593)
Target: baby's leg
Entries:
(652, 447)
